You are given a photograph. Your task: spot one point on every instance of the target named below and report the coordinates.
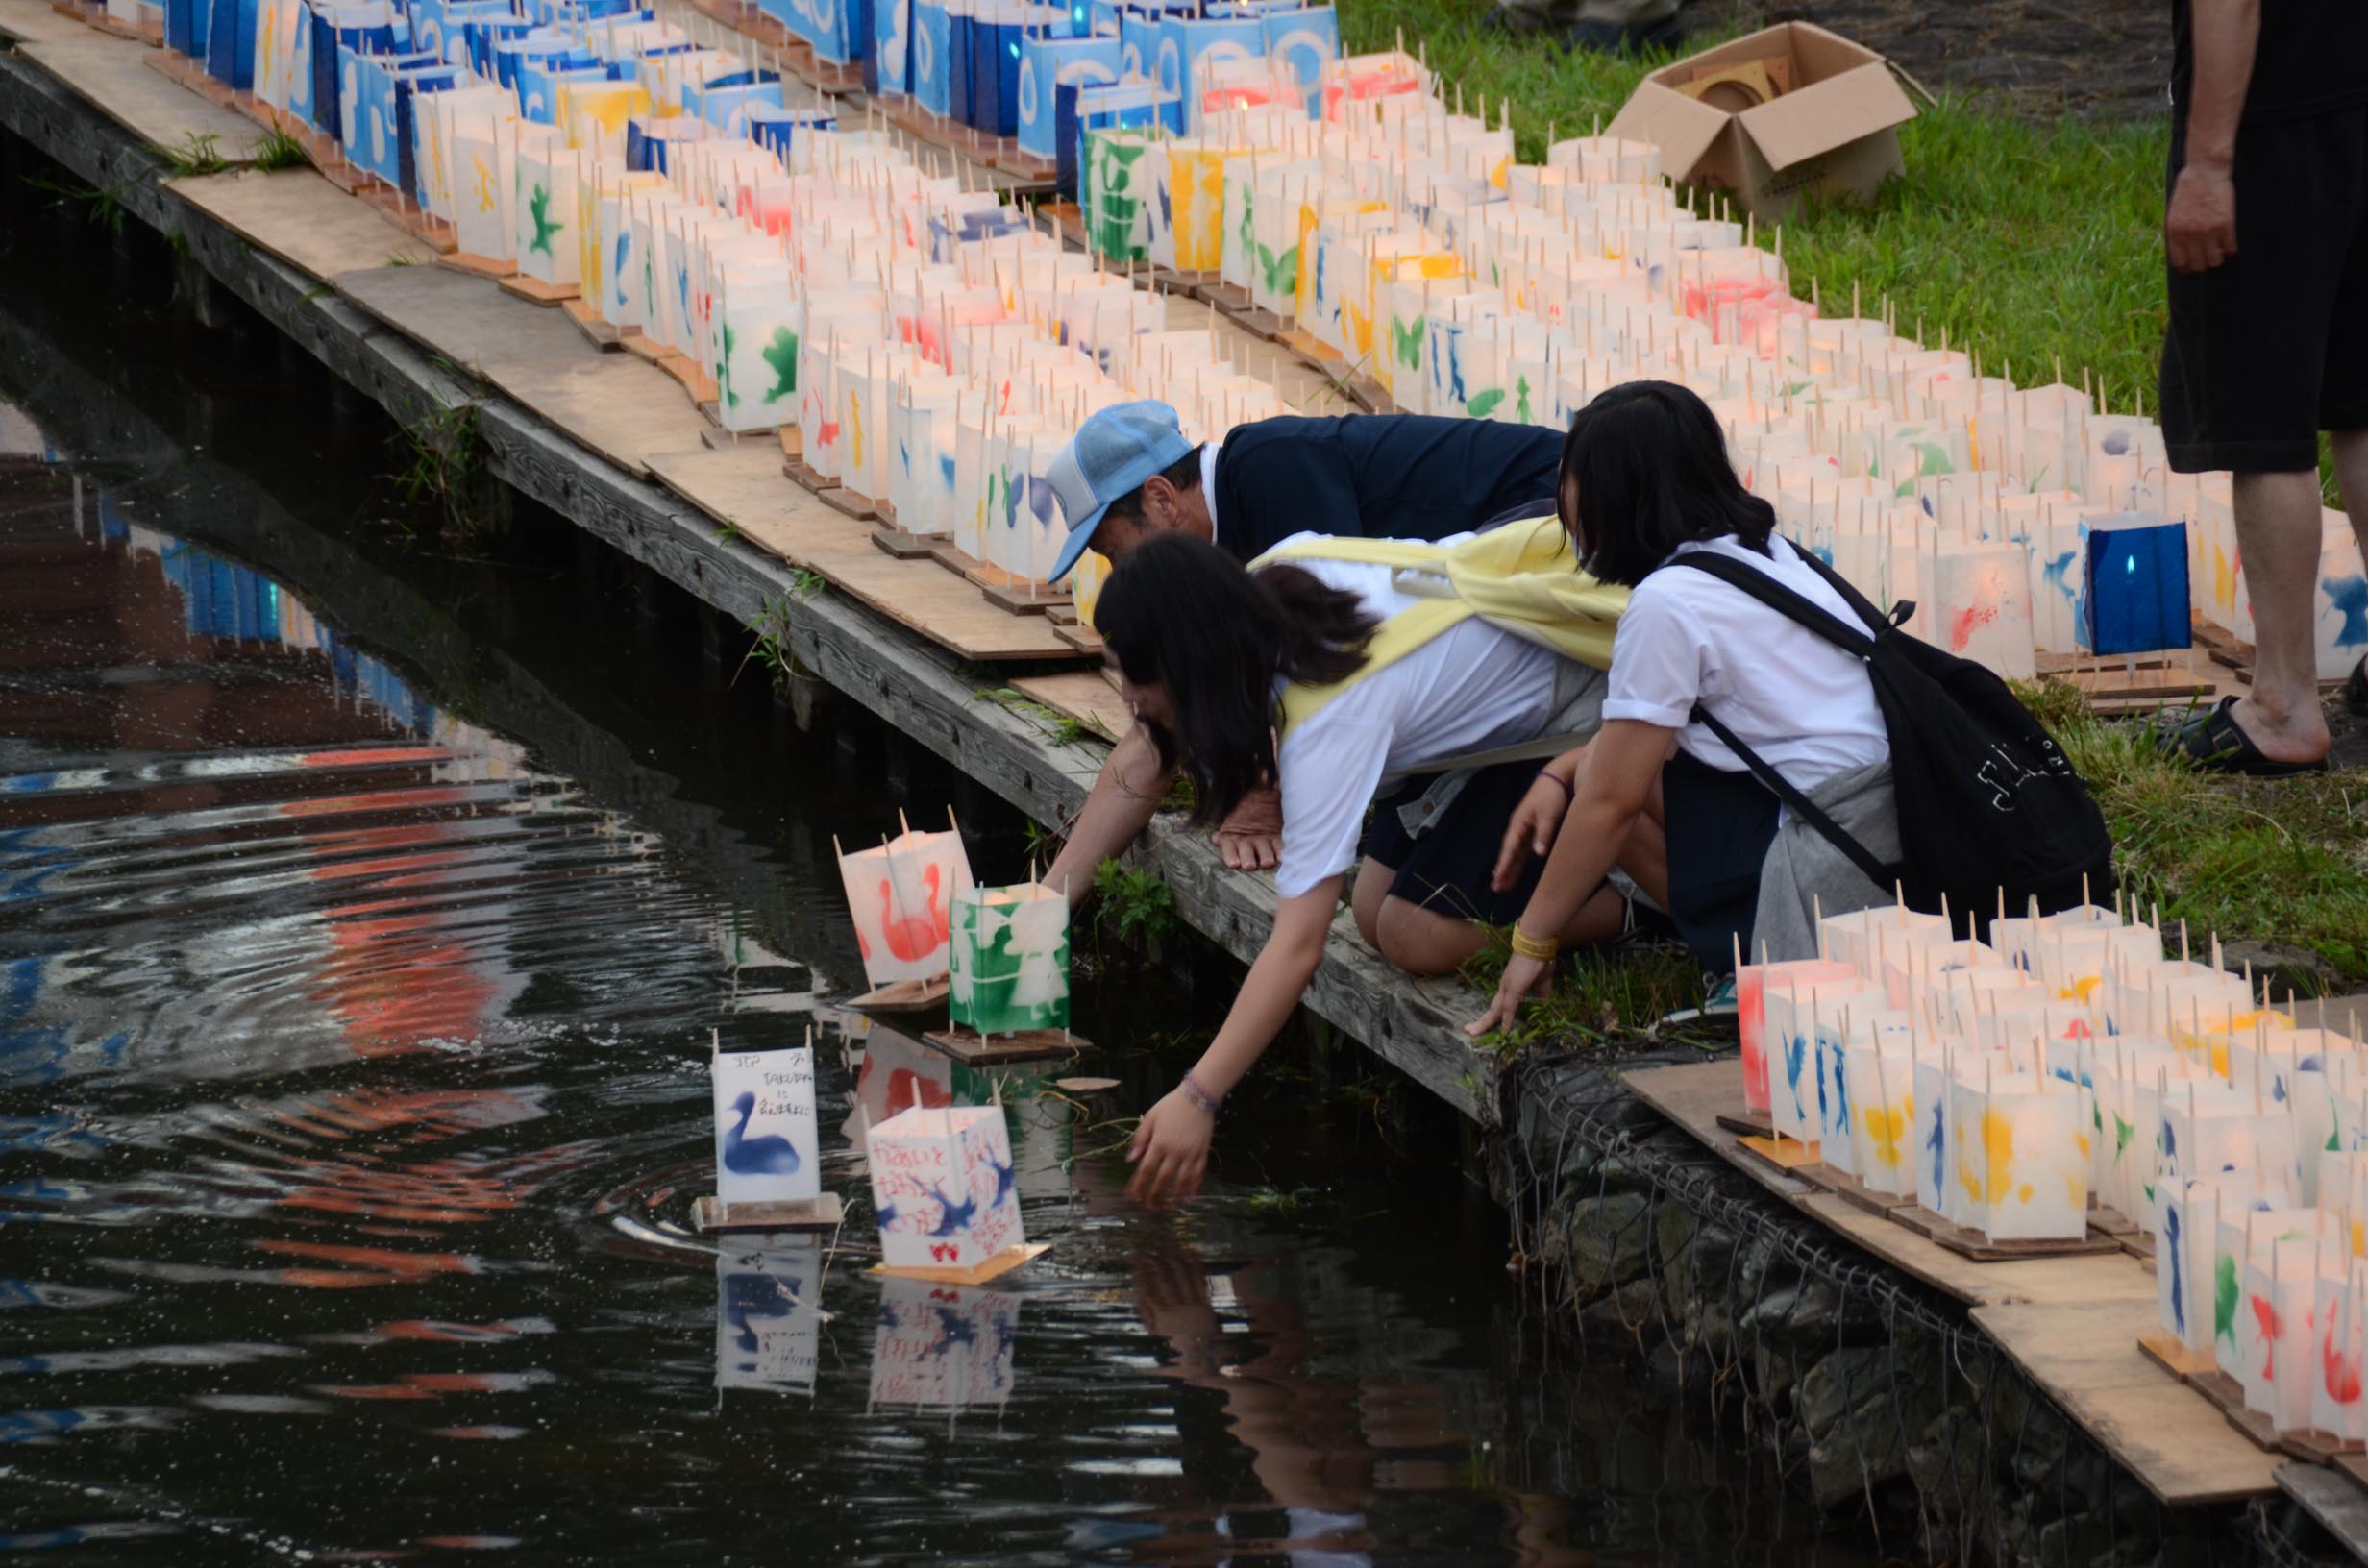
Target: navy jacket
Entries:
(1377, 477)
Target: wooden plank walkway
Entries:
(2071, 1324)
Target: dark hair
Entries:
(1184, 473)
(1184, 615)
(1647, 467)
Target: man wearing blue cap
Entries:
(1128, 473)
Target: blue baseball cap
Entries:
(1108, 460)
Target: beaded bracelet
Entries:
(1542, 948)
(1201, 1097)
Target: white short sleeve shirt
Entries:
(1471, 688)
(1805, 706)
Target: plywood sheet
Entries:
(304, 220)
(163, 114)
(1694, 1096)
(744, 486)
(609, 402)
(1083, 694)
(33, 21)
(2085, 1357)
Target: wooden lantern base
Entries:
(713, 1217)
(1028, 1045)
(1003, 1263)
(905, 996)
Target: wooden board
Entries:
(1079, 636)
(609, 403)
(1002, 1264)
(1851, 1190)
(30, 21)
(1748, 1123)
(304, 220)
(2164, 1350)
(743, 487)
(849, 503)
(534, 291)
(1973, 1244)
(108, 73)
(1694, 1096)
(987, 1050)
(903, 543)
(2316, 1446)
(1023, 597)
(712, 1215)
(2085, 1357)
(2227, 1395)
(1083, 694)
(905, 996)
(2333, 1498)
(597, 332)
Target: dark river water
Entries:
(366, 905)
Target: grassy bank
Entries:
(2028, 243)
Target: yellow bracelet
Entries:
(1541, 948)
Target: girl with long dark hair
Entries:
(1306, 672)
(1646, 482)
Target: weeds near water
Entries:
(771, 645)
(101, 205)
(277, 150)
(1059, 727)
(1136, 904)
(447, 462)
(199, 155)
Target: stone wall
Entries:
(1877, 1396)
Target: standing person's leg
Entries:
(2248, 363)
(2278, 538)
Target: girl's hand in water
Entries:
(1524, 978)
(1171, 1150)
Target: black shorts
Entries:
(2270, 347)
(1447, 867)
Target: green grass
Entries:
(1598, 996)
(2280, 860)
(198, 154)
(2028, 243)
(277, 150)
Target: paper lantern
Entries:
(1047, 64)
(1880, 1082)
(1114, 187)
(230, 43)
(756, 361)
(901, 897)
(1306, 42)
(186, 26)
(767, 1149)
(2021, 1166)
(1010, 959)
(943, 1347)
(482, 175)
(2135, 587)
(1792, 1008)
(2340, 629)
(544, 208)
(2186, 1227)
(2274, 1347)
(2336, 1406)
(942, 1187)
(888, 68)
(1984, 603)
(1751, 983)
(768, 1314)
(932, 67)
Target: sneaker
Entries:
(1718, 1005)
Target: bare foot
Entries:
(2295, 735)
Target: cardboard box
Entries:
(1835, 133)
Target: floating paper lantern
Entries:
(767, 1149)
(1010, 959)
(901, 897)
(768, 1314)
(942, 1186)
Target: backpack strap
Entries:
(1858, 643)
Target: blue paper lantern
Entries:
(2137, 599)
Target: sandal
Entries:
(2215, 742)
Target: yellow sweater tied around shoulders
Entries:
(1522, 579)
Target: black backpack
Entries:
(1988, 804)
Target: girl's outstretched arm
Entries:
(1125, 795)
(1171, 1150)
